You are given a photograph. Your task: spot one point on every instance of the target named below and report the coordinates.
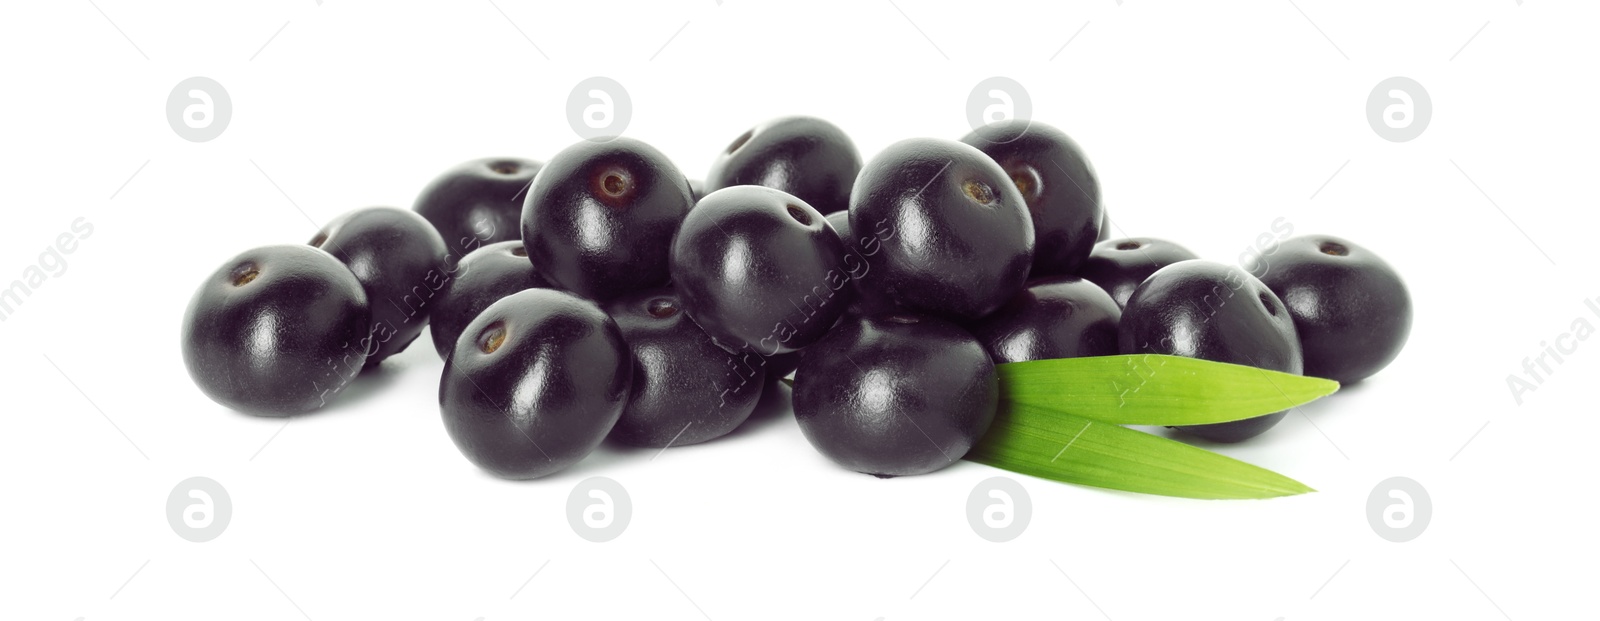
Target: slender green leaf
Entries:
(1151, 389)
(1073, 449)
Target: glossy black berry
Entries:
(1119, 265)
(482, 278)
(600, 217)
(897, 395)
(697, 189)
(1057, 183)
(1211, 311)
(804, 156)
(477, 203)
(686, 390)
(1060, 317)
(276, 331)
(535, 383)
(1351, 310)
(760, 269)
(1105, 227)
(400, 260)
(943, 229)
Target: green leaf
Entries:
(1073, 449)
(1152, 389)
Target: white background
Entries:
(1206, 124)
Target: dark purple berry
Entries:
(686, 390)
(484, 277)
(600, 217)
(477, 203)
(1061, 317)
(276, 331)
(1057, 183)
(807, 157)
(400, 260)
(759, 269)
(535, 383)
(1211, 311)
(1119, 265)
(1351, 310)
(942, 228)
(897, 395)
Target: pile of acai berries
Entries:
(605, 294)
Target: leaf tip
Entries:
(1296, 488)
